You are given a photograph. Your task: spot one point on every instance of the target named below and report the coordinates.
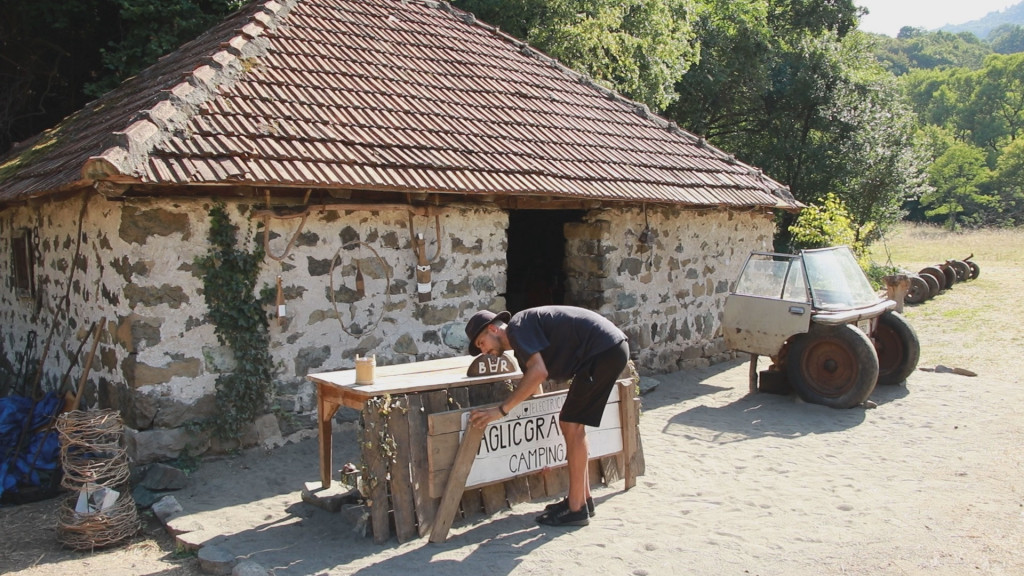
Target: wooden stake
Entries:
(74, 359)
(88, 365)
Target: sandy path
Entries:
(930, 482)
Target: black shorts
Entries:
(592, 385)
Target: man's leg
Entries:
(576, 451)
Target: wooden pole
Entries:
(88, 365)
(74, 359)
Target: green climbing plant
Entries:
(240, 322)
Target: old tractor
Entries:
(829, 335)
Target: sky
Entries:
(888, 16)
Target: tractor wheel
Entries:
(975, 269)
(933, 284)
(897, 347)
(963, 271)
(950, 274)
(938, 274)
(919, 291)
(833, 365)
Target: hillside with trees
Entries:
(985, 26)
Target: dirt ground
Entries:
(929, 482)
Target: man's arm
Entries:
(534, 374)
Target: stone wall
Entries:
(159, 359)
(667, 294)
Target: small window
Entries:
(24, 265)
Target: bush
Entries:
(830, 224)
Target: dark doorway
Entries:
(536, 257)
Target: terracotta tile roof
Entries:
(378, 95)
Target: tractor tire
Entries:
(963, 270)
(933, 284)
(919, 291)
(897, 347)
(975, 269)
(835, 366)
(950, 274)
(938, 274)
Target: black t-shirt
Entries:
(565, 336)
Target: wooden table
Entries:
(337, 389)
(405, 413)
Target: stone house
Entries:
(402, 164)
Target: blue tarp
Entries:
(27, 462)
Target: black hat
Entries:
(478, 322)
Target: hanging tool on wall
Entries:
(422, 270)
(423, 285)
(266, 215)
(360, 283)
(281, 309)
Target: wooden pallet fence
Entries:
(410, 445)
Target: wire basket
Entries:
(100, 529)
(94, 458)
(91, 448)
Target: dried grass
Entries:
(974, 323)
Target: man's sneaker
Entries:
(565, 504)
(564, 517)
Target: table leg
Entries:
(325, 414)
(752, 374)
(627, 419)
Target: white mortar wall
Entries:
(471, 254)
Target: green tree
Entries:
(885, 162)
(637, 47)
(148, 29)
(56, 55)
(48, 50)
(768, 73)
(1000, 96)
(792, 88)
(828, 222)
(959, 177)
(1008, 186)
(983, 107)
(942, 49)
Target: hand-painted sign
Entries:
(529, 439)
(486, 364)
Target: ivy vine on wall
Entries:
(240, 322)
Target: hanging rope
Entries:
(387, 288)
